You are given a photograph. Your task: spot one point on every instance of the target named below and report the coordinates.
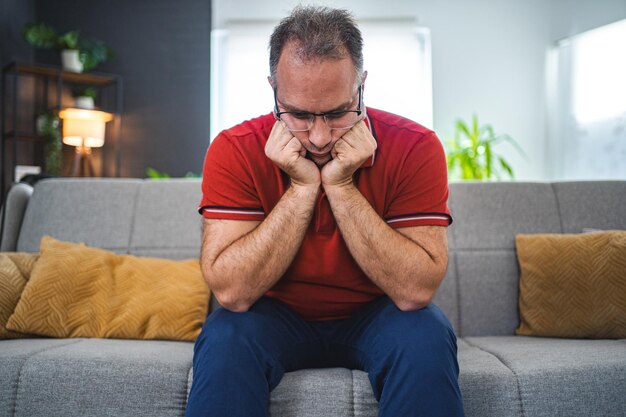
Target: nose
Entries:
(319, 134)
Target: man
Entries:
(324, 238)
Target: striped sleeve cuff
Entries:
(419, 219)
(231, 213)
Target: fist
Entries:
(289, 155)
(349, 153)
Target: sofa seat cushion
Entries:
(89, 377)
(564, 377)
(489, 390)
(488, 386)
(499, 376)
(324, 392)
(13, 355)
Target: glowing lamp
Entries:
(84, 129)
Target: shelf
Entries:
(51, 71)
(23, 136)
(54, 82)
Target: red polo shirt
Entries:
(405, 181)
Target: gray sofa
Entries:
(501, 374)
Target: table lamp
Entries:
(83, 129)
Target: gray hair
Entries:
(321, 32)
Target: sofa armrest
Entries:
(12, 214)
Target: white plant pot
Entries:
(84, 103)
(41, 123)
(71, 61)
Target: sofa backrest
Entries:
(12, 214)
(139, 217)
(479, 293)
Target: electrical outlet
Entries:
(21, 170)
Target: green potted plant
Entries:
(84, 97)
(158, 175)
(155, 174)
(48, 126)
(77, 54)
(470, 154)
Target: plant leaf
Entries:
(488, 160)
(92, 53)
(475, 130)
(40, 35)
(512, 141)
(69, 40)
(153, 173)
(506, 167)
(461, 127)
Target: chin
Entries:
(321, 161)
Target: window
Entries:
(396, 54)
(587, 105)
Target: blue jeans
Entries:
(410, 357)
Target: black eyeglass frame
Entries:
(358, 112)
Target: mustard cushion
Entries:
(572, 285)
(78, 291)
(15, 269)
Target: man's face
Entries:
(316, 86)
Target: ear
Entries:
(269, 80)
(363, 78)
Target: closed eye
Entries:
(300, 115)
(335, 115)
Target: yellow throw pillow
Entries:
(15, 269)
(572, 285)
(78, 291)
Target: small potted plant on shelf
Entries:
(77, 54)
(84, 97)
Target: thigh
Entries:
(410, 358)
(269, 329)
(381, 331)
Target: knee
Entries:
(423, 336)
(228, 332)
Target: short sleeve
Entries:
(228, 190)
(421, 197)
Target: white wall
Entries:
(571, 17)
(489, 57)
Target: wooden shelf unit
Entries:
(18, 107)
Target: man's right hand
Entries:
(288, 154)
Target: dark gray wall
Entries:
(162, 50)
(13, 15)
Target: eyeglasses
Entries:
(299, 121)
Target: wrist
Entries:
(305, 190)
(337, 187)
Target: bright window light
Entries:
(599, 73)
(397, 58)
(240, 66)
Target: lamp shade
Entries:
(83, 127)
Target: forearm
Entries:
(252, 264)
(405, 270)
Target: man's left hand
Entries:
(349, 153)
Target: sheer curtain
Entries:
(397, 57)
(587, 105)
